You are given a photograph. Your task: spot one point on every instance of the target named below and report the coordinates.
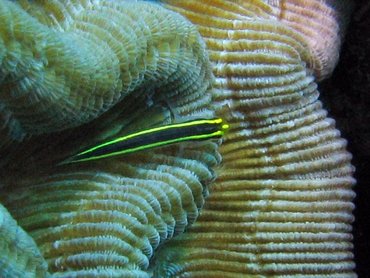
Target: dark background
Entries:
(346, 96)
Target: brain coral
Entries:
(65, 63)
(281, 204)
(74, 73)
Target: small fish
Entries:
(201, 129)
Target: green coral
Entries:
(77, 72)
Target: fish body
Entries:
(200, 129)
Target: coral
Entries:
(20, 256)
(282, 202)
(346, 96)
(62, 66)
(64, 63)
(324, 33)
(74, 73)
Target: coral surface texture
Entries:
(272, 198)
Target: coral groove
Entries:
(105, 68)
(65, 63)
(74, 73)
(281, 205)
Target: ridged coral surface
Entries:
(74, 73)
(63, 64)
(321, 23)
(20, 257)
(281, 204)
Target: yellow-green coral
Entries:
(72, 61)
(66, 63)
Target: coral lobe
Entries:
(76, 72)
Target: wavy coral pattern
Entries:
(20, 256)
(282, 202)
(63, 64)
(281, 205)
